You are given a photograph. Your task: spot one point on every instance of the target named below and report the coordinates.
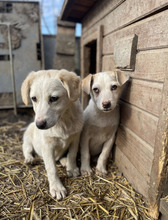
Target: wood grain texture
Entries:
(98, 12)
(143, 94)
(138, 152)
(140, 122)
(150, 65)
(116, 15)
(131, 173)
(108, 63)
(141, 151)
(158, 176)
(149, 31)
(99, 49)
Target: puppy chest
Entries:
(99, 136)
(60, 144)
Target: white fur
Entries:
(64, 121)
(100, 123)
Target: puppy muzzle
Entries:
(106, 105)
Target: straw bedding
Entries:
(24, 190)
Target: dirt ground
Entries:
(24, 190)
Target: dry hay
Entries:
(166, 198)
(24, 190)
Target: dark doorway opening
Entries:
(92, 51)
(90, 61)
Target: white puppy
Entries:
(101, 118)
(58, 122)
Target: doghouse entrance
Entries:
(90, 54)
(92, 47)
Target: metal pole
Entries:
(12, 69)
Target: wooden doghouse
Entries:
(132, 35)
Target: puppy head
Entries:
(105, 88)
(51, 92)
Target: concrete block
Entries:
(64, 62)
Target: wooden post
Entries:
(12, 69)
(99, 48)
(158, 177)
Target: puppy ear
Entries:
(121, 77)
(72, 83)
(86, 82)
(25, 88)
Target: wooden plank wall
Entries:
(141, 99)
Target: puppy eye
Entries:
(114, 87)
(96, 90)
(53, 98)
(34, 99)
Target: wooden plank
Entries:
(152, 33)
(131, 11)
(150, 65)
(131, 173)
(108, 63)
(75, 10)
(98, 12)
(86, 3)
(140, 122)
(159, 177)
(99, 49)
(89, 38)
(138, 152)
(143, 94)
(163, 209)
(128, 12)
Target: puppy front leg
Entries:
(57, 189)
(85, 156)
(102, 160)
(72, 169)
(27, 148)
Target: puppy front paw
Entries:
(58, 192)
(86, 171)
(73, 173)
(101, 171)
(29, 160)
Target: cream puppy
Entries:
(58, 122)
(101, 118)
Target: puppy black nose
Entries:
(41, 124)
(106, 104)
